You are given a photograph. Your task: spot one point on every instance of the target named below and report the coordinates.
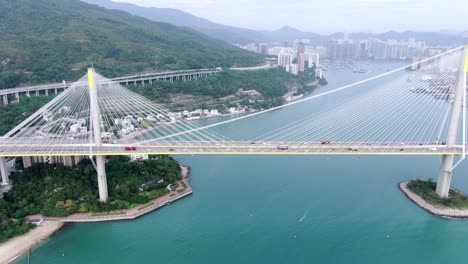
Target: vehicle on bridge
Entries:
(325, 142)
(283, 147)
(130, 148)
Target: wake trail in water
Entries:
(303, 216)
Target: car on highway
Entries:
(325, 142)
(130, 148)
(283, 147)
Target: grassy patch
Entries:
(145, 206)
(181, 190)
(426, 190)
(108, 214)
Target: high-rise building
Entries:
(301, 57)
(263, 48)
(67, 161)
(301, 60)
(292, 68)
(300, 48)
(313, 59)
(284, 59)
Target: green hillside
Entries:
(52, 40)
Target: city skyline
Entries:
(326, 17)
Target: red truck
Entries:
(130, 148)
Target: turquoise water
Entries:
(245, 209)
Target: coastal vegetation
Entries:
(14, 113)
(426, 190)
(55, 190)
(13, 228)
(55, 40)
(270, 83)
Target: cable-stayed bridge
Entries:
(419, 109)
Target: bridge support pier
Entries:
(446, 166)
(47, 92)
(102, 178)
(445, 176)
(4, 171)
(5, 99)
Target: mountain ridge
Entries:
(54, 40)
(243, 35)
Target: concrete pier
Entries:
(446, 166)
(4, 171)
(5, 99)
(102, 178)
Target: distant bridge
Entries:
(137, 79)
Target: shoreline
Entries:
(437, 211)
(17, 246)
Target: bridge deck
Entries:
(226, 148)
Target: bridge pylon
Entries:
(446, 166)
(95, 117)
(4, 171)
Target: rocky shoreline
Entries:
(438, 211)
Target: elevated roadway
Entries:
(17, 149)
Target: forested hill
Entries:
(53, 40)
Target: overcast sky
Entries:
(326, 16)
